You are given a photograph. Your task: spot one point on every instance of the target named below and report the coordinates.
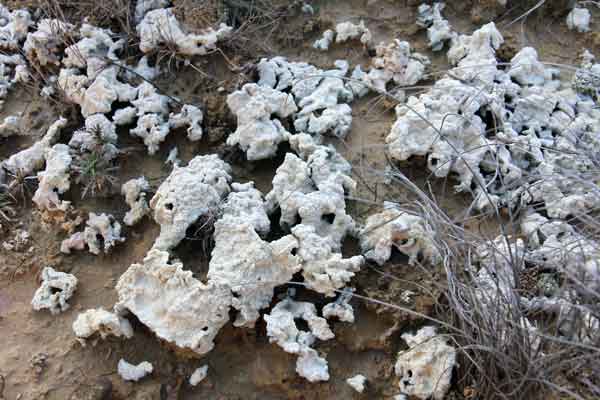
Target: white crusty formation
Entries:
(172, 303)
(254, 106)
(439, 30)
(340, 308)
(357, 382)
(249, 265)
(395, 62)
(102, 233)
(98, 136)
(54, 180)
(143, 6)
(198, 375)
(344, 31)
(579, 19)
(161, 28)
(425, 369)
(321, 96)
(13, 69)
(410, 234)
(324, 270)
(14, 26)
(42, 46)
(190, 116)
(101, 322)
(32, 158)
(10, 126)
(130, 372)
(282, 330)
(312, 193)
(187, 194)
(515, 135)
(54, 292)
(135, 191)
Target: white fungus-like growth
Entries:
(257, 133)
(340, 308)
(312, 193)
(173, 304)
(32, 158)
(14, 27)
(10, 126)
(344, 31)
(425, 369)
(439, 30)
(135, 191)
(395, 62)
(190, 116)
(540, 128)
(160, 27)
(101, 322)
(282, 329)
(42, 46)
(392, 228)
(54, 180)
(54, 292)
(130, 372)
(357, 382)
(198, 375)
(187, 194)
(143, 6)
(319, 95)
(101, 234)
(324, 270)
(579, 19)
(13, 69)
(104, 90)
(249, 265)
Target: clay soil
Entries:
(39, 356)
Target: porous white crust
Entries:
(54, 292)
(188, 193)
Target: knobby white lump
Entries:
(341, 307)
(32, 159)
(10, 126)
(344, 31)
(395, 62)
(172, 303)
(161, 28)
(135, 191)
(54, 180)
(315, 100)
(190, 116)
(579, 19)
(131, 372)
(540, 126)
(392, 228)
(100, 322)
(249, 265)
(357, 382)
(54, 292)
(13, 70)
(101, 234)
(187, 194)
(282, 329)
(42, 47)
(425, 369)
(312, 193)
(439, 30)
(198, 375)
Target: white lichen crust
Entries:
(392, 228)
(187, 194)
(101, 234)
(101, 322)
(425, 369)
(172, 303)
(130, 372)
(135, 191)
(282, 330)
(54, 292)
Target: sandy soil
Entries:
(39, 356)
